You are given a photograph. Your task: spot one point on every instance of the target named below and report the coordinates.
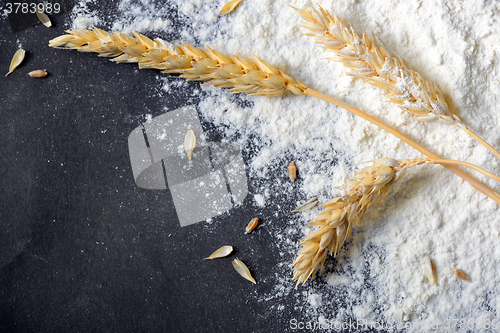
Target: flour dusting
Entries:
(378, 276)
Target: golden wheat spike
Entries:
(403, 86)
(372, 64)
(241, 75)
(340, 214)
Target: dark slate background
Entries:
(82, 248)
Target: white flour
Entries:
(431, 213)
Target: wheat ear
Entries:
(340, 214)
(239, 74)
(402, 86)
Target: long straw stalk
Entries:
(238, 74)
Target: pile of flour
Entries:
(431, 213)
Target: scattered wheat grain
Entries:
(17, 59)
(230, 6)
(224, 251)
(43, 18)
(243, 270)
(461, 275)
(292, 171)
(38, 73)
(189, 143)
(251, 225)
(429, 271)
(306, 206)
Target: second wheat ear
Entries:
(402, 86)
(238, 74)
(342, 213)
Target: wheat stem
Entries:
(475, 183)
(403, 86)
(419, 161)
(239, 74)
(468, 165)
(479, 139)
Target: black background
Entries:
(82, 248)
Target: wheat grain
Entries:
(429, 271)
(461, 275)
(189, 143)
(243, 270)
(403, 86)
(223, 251)
(292, 171)
(239, 74)
(252, 225)
(230, 6)
(38, 73)
(341, 213)
(43, 18)
(17, 59)
(310, 204)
